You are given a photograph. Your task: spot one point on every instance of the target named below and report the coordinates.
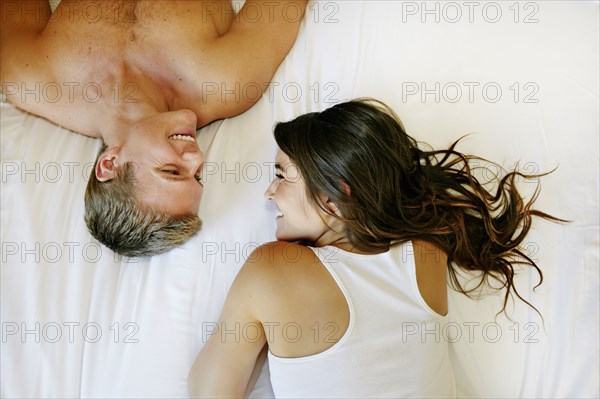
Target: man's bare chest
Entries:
(114, 20)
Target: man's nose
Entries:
(194, 158)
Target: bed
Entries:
(521, 78)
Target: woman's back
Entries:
(392, 345)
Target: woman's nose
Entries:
(271, 190)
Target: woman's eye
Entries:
(279, 176)
(172, 172)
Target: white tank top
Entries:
(393, 346)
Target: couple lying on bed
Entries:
(369, 223)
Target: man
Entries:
(143, 76)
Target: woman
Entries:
(368, 227)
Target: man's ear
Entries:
(106, 166)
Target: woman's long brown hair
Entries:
(388, 189)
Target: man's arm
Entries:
(248, 55)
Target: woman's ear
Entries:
(106, 166)
(333, 208)
(346, 188)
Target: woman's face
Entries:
(298, 218)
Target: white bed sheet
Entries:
(79, 322)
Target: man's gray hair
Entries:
(116, 219)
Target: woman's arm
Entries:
(258, 366)
(225, 367)
(272, 287)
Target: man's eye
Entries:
(171, 172)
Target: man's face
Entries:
(167, 162)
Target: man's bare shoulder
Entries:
(23, 62)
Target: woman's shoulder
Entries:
(431, 268)
(281, 253)
(276, 263)
(291, 285)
